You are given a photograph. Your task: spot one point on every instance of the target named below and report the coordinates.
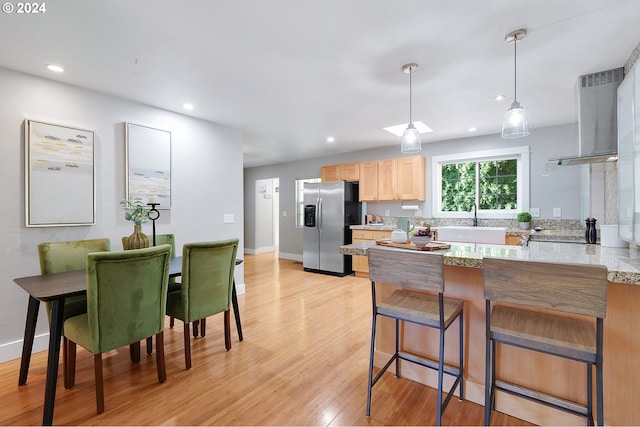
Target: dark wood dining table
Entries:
(55, 288)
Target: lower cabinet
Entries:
(360, 264)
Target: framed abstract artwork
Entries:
(59, 175)
(148, 159)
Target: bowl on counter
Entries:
(421, 240)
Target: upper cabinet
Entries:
(629, 157)
(368, 188)
(345, 172)
(402, 178)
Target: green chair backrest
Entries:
(126, 295)
(58, 257)
(207, 277)
(161, 239)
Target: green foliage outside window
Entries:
(491, 184)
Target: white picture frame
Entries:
(148, 164)
(59, 175)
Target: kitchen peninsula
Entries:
(463, 280)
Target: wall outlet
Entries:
(229, 219)
(535, 212)
(557, 212)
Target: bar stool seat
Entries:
(420, 301)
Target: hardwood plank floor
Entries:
(303, 361)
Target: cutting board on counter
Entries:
(431, 246)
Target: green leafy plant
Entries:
(524, 217)
(136, 211)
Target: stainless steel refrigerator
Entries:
(329, 209)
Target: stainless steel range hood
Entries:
(597, 119)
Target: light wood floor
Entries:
(303, 361)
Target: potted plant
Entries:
(524, 218)
(422, 236)
(137, 213)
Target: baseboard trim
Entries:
(292, 257)
(13, 350)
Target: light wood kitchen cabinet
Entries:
(368, 187)
(512, 240)
(330, 173)
(402, 178)
(360, 264)
(350, 172)
(346, 172)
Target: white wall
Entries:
(206, 178)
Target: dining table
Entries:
(55, 288)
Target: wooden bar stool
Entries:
(421, 273)
(576, 289)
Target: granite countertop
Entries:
(623, 264)
(374, 227)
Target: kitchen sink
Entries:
(461, 233)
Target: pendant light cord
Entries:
(515, 67)
(410, 92)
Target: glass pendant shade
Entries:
(515, 123)
(411, 140)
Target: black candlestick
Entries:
(156, 215)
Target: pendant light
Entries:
(515, 123)
(410, 137)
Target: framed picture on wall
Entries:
(59, 175)
(148, 158)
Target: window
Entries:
(496, 182)
(300, 200)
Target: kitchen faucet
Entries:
(475, 215)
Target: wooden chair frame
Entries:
(561, 287)
(424, 273)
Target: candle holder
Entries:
(154, 214)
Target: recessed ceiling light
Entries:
(331, 139)
(397, 130)
(187, 106)
(472, 129)
(55, 68)
(499, 97)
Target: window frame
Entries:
(520, 154)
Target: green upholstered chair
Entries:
(126, 303)
(59, 257)
(207, 278)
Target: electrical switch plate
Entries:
(386, 212)
(557, 212)
(284, 213)
(535, 212)
(229, 219)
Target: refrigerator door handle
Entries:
(319, 210)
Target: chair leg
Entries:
(71, 364)
(134, 352)
(227, 329)
(171, 322)
(195, 328)
(162, 370)
(440, 378)
(203, 327)
(461, 398)
(65, 361)
(97, 367)
(487, 365)
(149, 345)
(187, 347)
(397, 347)
(371, 352)
(590, 394)
(599, 370)
(71, 354)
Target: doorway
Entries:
(267, 219)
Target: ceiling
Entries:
(290, 73)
